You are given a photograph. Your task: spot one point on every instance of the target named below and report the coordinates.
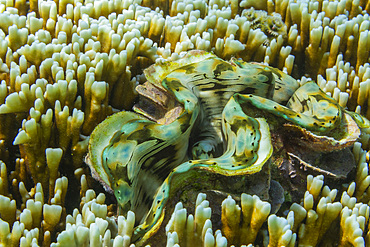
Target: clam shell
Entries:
(346, 134)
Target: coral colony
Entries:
(184, 123)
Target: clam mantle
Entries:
(201, 119)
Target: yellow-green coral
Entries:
(66, 65)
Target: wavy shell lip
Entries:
(349, 133)
(157, 104)
(102, 178)
(158, 71)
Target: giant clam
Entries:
(203, 123)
